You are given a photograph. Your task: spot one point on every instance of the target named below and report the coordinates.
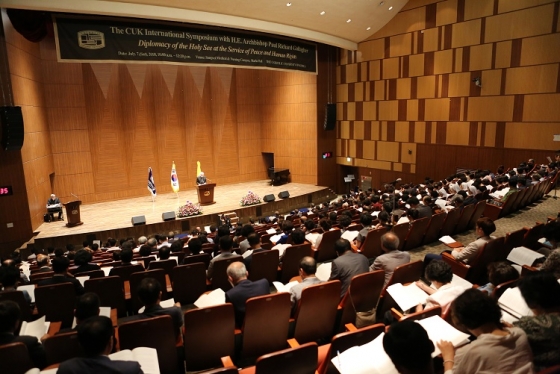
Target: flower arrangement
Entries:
(189, 209)
(250, 199)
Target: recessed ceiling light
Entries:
(381, 3)
(369, 28)
(289, 4)
(349, 20)
(390, 8)
(322, 13)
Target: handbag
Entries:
(363, 319)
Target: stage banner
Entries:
(118, 40)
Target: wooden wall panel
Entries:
(520, 24)
(532, 79)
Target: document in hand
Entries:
(450, 242)
(369, 358)
(216, 297)
(523, 256)
(30, 288)
(350, 235)
(458, 281)
(271, 231)
(512, 302)
(146, 357)
(83, 279)
(37, 328)
(324, 271)
(284, 287)
(107, 270)
(104, 311)
(281, 248)
(164, 304)
(438, 330)
(312, 237)
(275, 238)
(407, 296)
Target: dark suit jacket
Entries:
(243, 291)
(99, 364)
(44, 269)
(200, 180)
(35, 349)
(63, 279)
(347, 266)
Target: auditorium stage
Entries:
(113, 218)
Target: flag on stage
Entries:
(174, 179)
(151, 183)
(198, 170)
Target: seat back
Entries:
(430, 312)
(17, 297)
(125, 271)
(513, 239)
(299, 360)
(508, 205)
(520, 196)
(166, 265)
(270, 314)
(433, 229)
(401, 231)
(529, 192)
(157, 332)
(491, 252)
(416, 233)
(219, 276)
(450, 222)
(316, 312)
(325, 251)
(15, 358)
(110, 291)
(466, 215)
(34, 278)
(56, 302)
(62, 347)
(201, 257)
(291, 259)
(136, 278)
(264, 265)
(362, 296)
(531, 239)
(92, 274)
(189, 282)
(478, 210)
(209, 334)
(457, 267)
(502, 287)
(404, 274)
(345, 340)
(372, 245)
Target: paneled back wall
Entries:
(407, 103)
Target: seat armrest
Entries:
(227, 361)
(396, 314)
(350, 327)
(293, 343)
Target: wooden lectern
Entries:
(73, 213)
(206, 193)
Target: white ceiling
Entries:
(302, 19)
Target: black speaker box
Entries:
(12, 127)
(269, 198)
(284, 195)
(138, 220)
(168, 216)
(330, 117)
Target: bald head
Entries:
(237, 272)
(389, 242)
(308, 266)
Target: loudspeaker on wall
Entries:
(269, 198)
(168, 216)
(284, 195)
(12, 128)
(330, 117)
(138, 220)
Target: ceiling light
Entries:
(322, 13)
(349, 20)
(390, 8)
(289, 4)
(369, 28)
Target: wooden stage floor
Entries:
(113, 218)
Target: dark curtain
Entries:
(32, 25)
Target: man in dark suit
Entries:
(201, 179)
(9, 323)
(243, 289)
(255, 247)
(55, 206)
(83, 259)
(60, 268)
(347, 264)
(96, 338)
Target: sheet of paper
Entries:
(349, 235)
(375, 214)
(403, 219)
(271, 231)
(312, 237)
(37, 328)
(369, 358)
(83, 279)
(275, 238)
(407, 296)
(441, 203)
(324, 271)
(506, 317)
(146, 357)
(104, 311)
(458, 281)
(107, 270)
(247, 253)
(523, 256)
(513, 302)
(30, 288)
(447, 239)
(438, 330)
(281, 248)
(216, 297)
(284, 287)
(26, 268)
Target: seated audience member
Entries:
(163, 241)
(10, 262)
(384, 220)
(552, 263)
(9, 277)
(246, 230)
(152, 242)
(410, 349)
(254, 247)
(194, 246)
(96, 338)
(83, 260)
(10, 315)
(176, 246)
(243, 289)
(391, 258)
(347, 264)
(552, 235)
(112, 245)
(145, 250)
(44, 263)
(140, 242)
(226, 243)
(164, 253)
(307, 269)
(325, 226)
(423, 210)
(149, 293)
(287, 228)
(87, 306)
(541, 292)
(497, 349)
(365, 220)
(498, 273)
(95, 248)
(440, 275)
(512, 189)
(60, 268)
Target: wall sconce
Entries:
(477, 81)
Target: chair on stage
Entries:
(291, 259)
(372, 245)
(219, 275)
(62, 347)
(110, 291)
(125, 271)
(135, 280)
(189, 282)
(56, 302)
(264, 265)
(325, 251)
(15, 358)
(362, 296)
(208, 335)
(157, 332)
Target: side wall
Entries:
(408, 105)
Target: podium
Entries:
(73, 213)
(206, 193)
